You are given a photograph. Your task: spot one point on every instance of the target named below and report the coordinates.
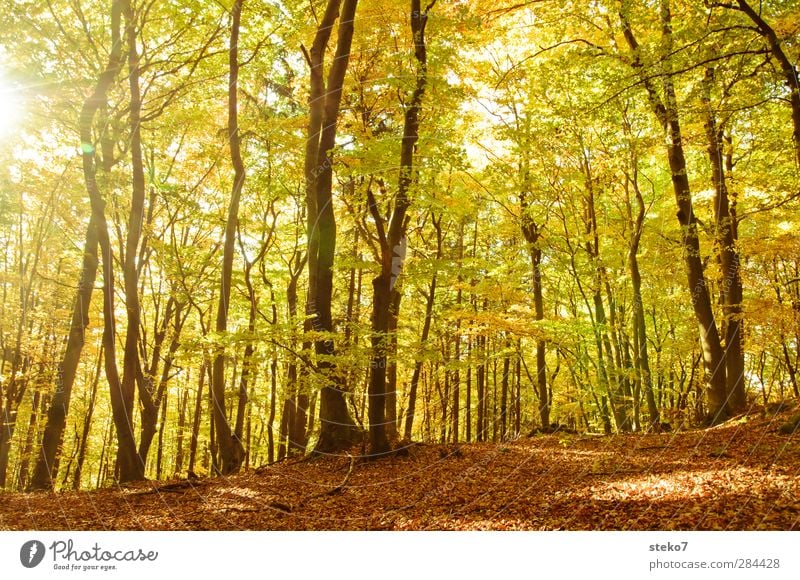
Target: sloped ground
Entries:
(739, 476)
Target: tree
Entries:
(665, 108)
(392, 239)
(231, 452)
(337, 430)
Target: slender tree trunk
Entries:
(532, 232)
(30, 434)
(131, 467)
(198, 410)
(272, 400)
(480, 386)
(283, 434)
(87, 425)
(430, 298)
(504, 395)
(44, 473)
(391, 368)
(121, 402)
(296, 406)
(518, 394)
(641, 355)
(152, 393)
(182, 404)
(160, 451)
(231, 452)
(468, 405)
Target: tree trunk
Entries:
(121, 401)
(666, 111)
(151, 392)
(30, 434)
(337, 428)
(430, 298)
(231, 452)
(640, 353)
(131, 468)
(87, 425)
(198, 409)
(728, 251)
(182, 404)
(504, 395)
(393, 243)
(532, 231)
(391, 366)
(43, 475)
(480, 386)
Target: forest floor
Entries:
(742, 475)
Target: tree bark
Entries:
(393, 240)
(641, 356)
(337, 429)
(43, 474)
(231, 452)
(87, 425)
(430, 299)
(666, 111)
(532, 231)
(728, 251)
(121, 402)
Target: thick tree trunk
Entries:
(728, 249)
(337, 429)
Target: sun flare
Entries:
(11, 106)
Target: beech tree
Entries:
(476, 203)
(337, 428)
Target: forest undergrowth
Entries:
(742, 475)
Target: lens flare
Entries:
(11, 106)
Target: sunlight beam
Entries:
(11, 106)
